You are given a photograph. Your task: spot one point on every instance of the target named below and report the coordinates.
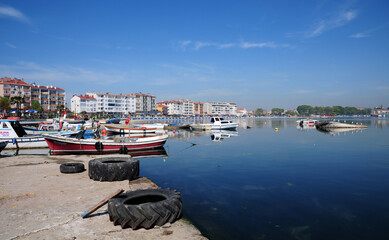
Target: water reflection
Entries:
(219, 135)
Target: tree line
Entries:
(335, 110)
(306, 110)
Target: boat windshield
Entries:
(19, 130)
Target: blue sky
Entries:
(259, 54)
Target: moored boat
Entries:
(122, 129)
(63, 145)
(334, 124)
(13, 132)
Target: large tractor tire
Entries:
(145, 208)
(113, 169)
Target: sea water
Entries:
(272, 179)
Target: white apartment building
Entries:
(83, 103)
(112, 103)
(220, 108)
(182, 107)
(145, 103)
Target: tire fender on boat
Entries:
(99, 146)
(123, 150)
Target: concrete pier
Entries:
(37, 201)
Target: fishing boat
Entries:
(122, 129)
(64, 145)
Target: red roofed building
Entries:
(15, 88)
(48, 96)
(83, 103)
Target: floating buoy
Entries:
(276, 129)
(103, 132)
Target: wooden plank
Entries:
(100, 204)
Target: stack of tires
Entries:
(113, 169)
(145, 208)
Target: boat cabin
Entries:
(11, 129)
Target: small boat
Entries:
(217, 123)
(159, 126)
(221, 123)
(122, 129)
(12, 131)
(334, 124)
(3, 144)
(64, 145)
(306, 122)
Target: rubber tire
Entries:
(153, 207)
(71, 167)
(113, 169)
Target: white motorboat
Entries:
(217, 123)
(306, 122)
(221, 123)
(13, 132)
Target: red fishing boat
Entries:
(64, 145)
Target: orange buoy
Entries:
(103, 132)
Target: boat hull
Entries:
(119, 130)
(225, 126)
(25, 142)
(62, 145)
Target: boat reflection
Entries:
(219, 135)
(149, 153)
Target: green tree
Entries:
(4, 104)
(259, 112)
(277, 111)
(305, 110)
(18, 101)
(36, 106)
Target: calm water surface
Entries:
(287, 184)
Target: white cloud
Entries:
(197, 45)
(359, 35)
(60, 74)
(11, 12)
(10, 45)
(338, 20)
(257, 45)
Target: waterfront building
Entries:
(241, 112)
(183, 107)
(48, 96)
(220, 108)
(163, 109)
(198, 108)
(83, 103)
(114, 103)
(145, 104)
(15, 88)
(173, 107)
